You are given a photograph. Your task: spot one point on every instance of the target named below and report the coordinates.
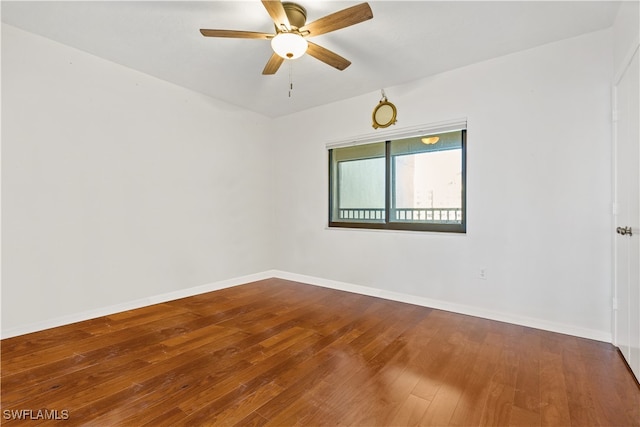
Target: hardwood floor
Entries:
(282, 353)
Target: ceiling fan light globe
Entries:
(289, 45)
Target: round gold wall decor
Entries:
(384, 115)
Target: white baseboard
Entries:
(131, 305)
(317, 281)
(447, 306)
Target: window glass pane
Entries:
(358, 184)
(427, 181)
(415, 183)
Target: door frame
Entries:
(633, 51)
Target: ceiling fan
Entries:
(290, 40)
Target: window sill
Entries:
(395, 230)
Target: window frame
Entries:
(406, 226)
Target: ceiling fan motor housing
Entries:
(297, 14)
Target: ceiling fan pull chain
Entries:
(290, 78)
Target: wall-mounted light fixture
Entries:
(430, 140)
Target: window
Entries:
(415, 183)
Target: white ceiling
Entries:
(405, 41)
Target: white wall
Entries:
(626, 33)
(539, 181)
(117, 186)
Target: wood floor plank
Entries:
(93, 348)
(498, 405)
(129, 397)
(501, 390)
(450, 390)
(339, 362)
(12, 348)
(473, 402)
(411, 411)
(527, 394)
(338, 366)
(553, 391)
(238, 409)
(521, 417)
(173, 417)
(281, 353)
(581, 405)
(233, 387)
(389, 374)
(608, 385)
(48, 390)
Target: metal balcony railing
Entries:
(359, 214)
(430, 215)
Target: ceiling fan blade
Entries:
(236, 34)
(327, 56)
(341, 19)
(277, 13)
(273, 64)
